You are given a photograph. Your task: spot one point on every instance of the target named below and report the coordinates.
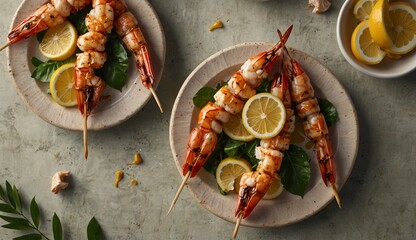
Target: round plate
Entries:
(112, 110)
(287, 208)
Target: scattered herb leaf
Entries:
(30, 236)
(34, 212)
(94, 231)
(264, 86)
(295, 171)
(78, 20)
(203, 96)
(233, 148)
(56, 227)
(329, 111)
(114, 71)
(44, 70)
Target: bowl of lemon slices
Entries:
(378, 37)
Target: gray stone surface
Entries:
(378, 198)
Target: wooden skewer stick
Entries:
(185, 179)
(237, 224)
(156, 98)
(5, 46)
(85, 131)
(334, 190)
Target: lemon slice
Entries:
(362, 9)
(59, 42)
(62, 86)
(379, 21)
(229, 170)
(264, 115)
(364, 48)
(403, 27)
(235, 129)
(275, 189)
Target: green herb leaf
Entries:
(78, 20)
(34, 212)
(2, 194)
(17, 226)
(7, 208)
(31, 236)
(94, 231)
(17, 199)
(295, 171)
(249, 152)
(233, 148)
(56, 227)
(15, 222)
(264, 86)
(329, 111)
(40, 36)
(44, 70)
(212, 162)
(203, 96)
(9, 190)
(114, 71)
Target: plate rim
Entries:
(176, 154)
(152, 28)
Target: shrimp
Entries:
(44, 17)
(226, 99)
(89, 87)
(127, 28)
(58, 181)
(254, 185)
(314, 125)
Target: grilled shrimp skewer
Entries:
(46, 16)
(254, 185)
(89, 87)
(127, 28)
(314, 125)
(228, 100)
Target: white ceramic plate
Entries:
(118, 107)
(287, 208)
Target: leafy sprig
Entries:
(12, 204)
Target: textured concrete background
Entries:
(378, 198)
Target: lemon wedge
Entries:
(379, 22)
(275, 189)
(61, 86)
(59, 42)
(264, 115)
(362, 9)
(403, 27)
(229, 171)
(235, 129)
(364, 48)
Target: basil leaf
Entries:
(264, 86)
(328, 110)
(114, 71)
(203, 96)
(40, 36)
(31, 236)
(78, 20)
(212, 162)
(34, 212)
(295, 171)
(94, 231)
(249, 152)
(44, 70)
(233, 148)
(56, 227)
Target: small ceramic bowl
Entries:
(388, 68)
